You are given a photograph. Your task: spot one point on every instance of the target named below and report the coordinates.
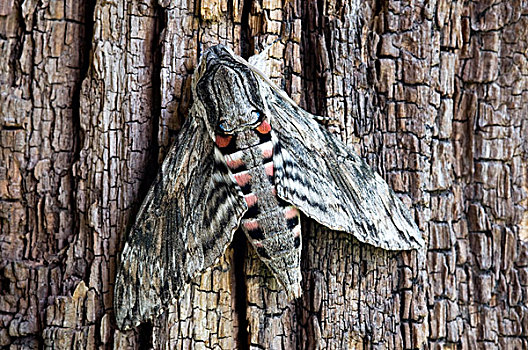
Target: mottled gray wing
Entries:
(183, 227)
(328, 182)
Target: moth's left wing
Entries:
(326, 180)
(183, 227)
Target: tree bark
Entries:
(433, 94)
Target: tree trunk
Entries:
(434, 94)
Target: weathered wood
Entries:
(432, 94)
(41, 62)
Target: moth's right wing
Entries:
(328, 182)
(183, 227)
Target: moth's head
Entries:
(229, 91)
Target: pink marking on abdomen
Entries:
(290, 212)
(264, 127)
(251, 199)
(267, 150)
(297, 231)
(242, 178)
(268, 168)
(251, 225)
(223, 141)
(233, 163)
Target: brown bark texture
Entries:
(434, 94)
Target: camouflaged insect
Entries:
(248, 157)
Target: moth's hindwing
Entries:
(183, 227)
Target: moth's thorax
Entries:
(229, 91)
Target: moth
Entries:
(248, 157)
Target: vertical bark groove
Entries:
(239, 261)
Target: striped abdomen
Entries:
(271, 225)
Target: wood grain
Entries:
(431, 93)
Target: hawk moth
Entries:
(247, 156)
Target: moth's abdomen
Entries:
(271, 225)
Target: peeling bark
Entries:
(433, 94)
